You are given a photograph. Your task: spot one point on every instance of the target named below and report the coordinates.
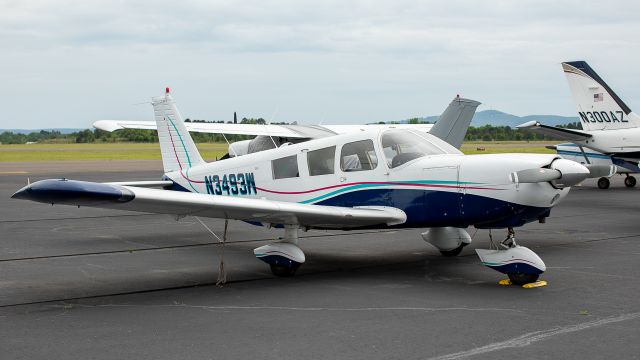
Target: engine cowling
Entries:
(446, 238)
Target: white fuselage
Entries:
(445, 188)
(617, 141)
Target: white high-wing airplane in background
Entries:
(375, 177)
(611, 132)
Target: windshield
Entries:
(402, 146)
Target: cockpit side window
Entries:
(402, 146)
(321, 161)
(286, 167)
(358, 156)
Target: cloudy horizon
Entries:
(69, 63)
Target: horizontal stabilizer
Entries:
(82, 193)
(559, 133)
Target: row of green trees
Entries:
(483, 133)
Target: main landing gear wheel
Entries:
(629, 181)
(283, 257)
(283, 271)
(454, 252)
(603, 183)
(522, 278)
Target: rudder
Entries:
(176, 145)
(599, 107)
(454, 122)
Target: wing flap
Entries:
(130, 198)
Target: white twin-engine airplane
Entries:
(376, 177)
(611, 130)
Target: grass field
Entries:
(496, 147)
(96, 151)
(210, 152)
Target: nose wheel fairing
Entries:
(518, 262)
(518, 259)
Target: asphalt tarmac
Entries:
(81, 283)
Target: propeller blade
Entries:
(535, 175)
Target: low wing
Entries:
(215, 128)
(285, 131)
(144, 183)
(343, 129)
(81, 193)
(564, 134)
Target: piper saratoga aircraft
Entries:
(611, 130)
(376, 177)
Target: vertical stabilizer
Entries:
(599, 107)
(454, 122)
(178, 149)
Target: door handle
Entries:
(343, 179)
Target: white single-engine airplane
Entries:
(375, 177)
(611, 130)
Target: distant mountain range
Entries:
(481, 118)
(499, 118)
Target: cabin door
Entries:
(442, 195)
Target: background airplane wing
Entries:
(81, 193)
(564, 134)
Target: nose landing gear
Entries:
(519, 263)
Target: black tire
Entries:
(629, 181)
(454, 252)
(603, 183)
(522, 278)
(283, 271)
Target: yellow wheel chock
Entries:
(537, 284)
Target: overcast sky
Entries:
(69, 63)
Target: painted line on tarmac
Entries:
(533, 337)
(183, 246)
(13, 172)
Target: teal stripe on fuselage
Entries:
(363, 186)
(339, 191)
(578, 153)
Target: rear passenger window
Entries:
(286, 167)
(321, 162)
(358, 156)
